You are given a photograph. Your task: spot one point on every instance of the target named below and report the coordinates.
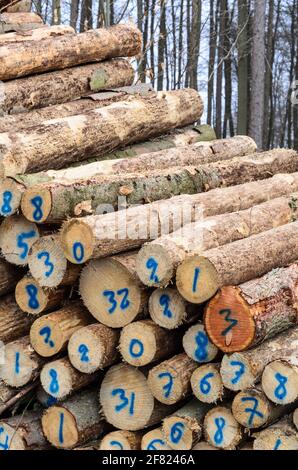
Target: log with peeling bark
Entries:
(43, 32)
(55, 143)
(183, 429)
(74, 421)
(16, 238)
(13, 6)
(13, 322)
(197, 344)
(252, 409)
(21, 363)
(94, 347)
(66, 51)
(39, 91)
(9, 276)
(199, 277)
(111, 290)
(279, 436)
(280, 382)
(221, 429)
(244, 369)
(106, 234)
(50, 333)
(48, 265)
(34, 299)
(44, 399)
(240, 317)
(169, 381)
(154, 440)
(23, 432)
(169, 251)
(121, 440)
(207, 385)
(127, 401)
(144, 342)
(168, 309)
(9, 22)
(60, 379)
(15, 187)
(10, 397)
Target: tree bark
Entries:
(13, 324)
(243, 75)
(279, 436)
(16, 6)
(17, 22)
(44, 32)
(23, 432)
(212, 52)
(62, 52)
(161, 45)
(54, 144)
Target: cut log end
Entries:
(236, 372)
(154, 440)
(197, 279)
(206, 384)
(229, 322)
(17, 235)
(181, 433)
(121, 440)
(46, 336)
(60, 428)
(110, 292)
(154, 266)
(167, 308)
(126, 399)
(197, 345)
(36, 204)
(274, 438)
(10, 197)
(34, 299)
(47, 262)
(77, 241)
(221, 429)
(251, 408)
(12, 440)
(93, 347)
(280, 382)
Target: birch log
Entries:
(66, 51)
(242, 370)
(198, 278)
(240, 317)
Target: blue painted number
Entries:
(78, 252)
(195, 279)
(61, 423)
(220, 424)
(17, 363)
(22, 244)
(164, 301)
(6, 207)
(205, 385)
(136, 348)
(125, 401)
(152, 265)
(32, 291)
(83, 350)
(124, 303)
(227, 312)
(47, 262)
(281, 391)
(201, 353)
(253, 411)
(4, 445)
(169, 385)
(277, 444)
(54, 385)
(46, 332)
(177, 431)
(37, 203)
(152, 444)
(238, 373)
(117, 444)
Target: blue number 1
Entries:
(195, 279)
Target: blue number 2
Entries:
(152, 265)
(164, 301)
(83, 350)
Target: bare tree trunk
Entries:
(228, 119)
(74, 12)
(212, 50)
(161, 45)
(195, 39)
(174, 69)
(242, 67)
(220, 56)
(188, 42)
(56, 12)
(268, 75)
(143, 63)
(152, 55)
(295, 111)
(180, 44)
(256, 124)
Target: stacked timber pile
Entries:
(148, 279)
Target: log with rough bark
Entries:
(34, 299)
(16, 238)
(66, 51)
(295, 418)
(10, 397)
(44, 399)
(198, 278)
(9, 22)
(127, 401)
(169, 381)
(13, 6)
(154, 440)
(9, 276)
(183, 429)
(244, 369)
(44, 32)
(39, 91)
(121, 440)
(50, 333)
(15, 187)
(48, 265)
(221, 429)
(23, 432)
(280, 382)
(104, 129)
(111, 290)
(94, 347)
(240, 317)
(74, 421)
(197, 345)
(207, 385)
(279, 436)
(13, 322)
(21, 364)
(169, 310)
(60, 379)
(171, 250)
(59, 200)
(144, 342)
(252, 409)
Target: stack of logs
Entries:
(148, 290)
